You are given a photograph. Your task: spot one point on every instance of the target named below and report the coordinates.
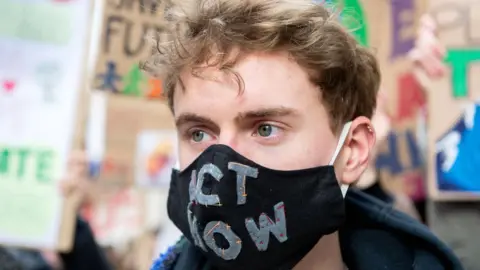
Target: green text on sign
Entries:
(24, 164)
(460, 60)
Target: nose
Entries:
(228, 138)
(231, 139)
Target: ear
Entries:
(355, 155)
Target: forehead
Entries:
(268, 80)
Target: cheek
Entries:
(186, 155)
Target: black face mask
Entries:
(245, 216)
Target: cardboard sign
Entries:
(126, 119)
(454, 108)
(42, 47)
(124, 43)
(132, 105)
(388, 27)
(134, 102)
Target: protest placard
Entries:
(43, 47)
(453, 103)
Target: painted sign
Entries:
(156, 156)
(457, 155)
(124, 43)
(453, 111)
(42, 47)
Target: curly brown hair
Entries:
(204, 33)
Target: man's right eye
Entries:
(199, 136)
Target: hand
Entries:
(52, 259)
(428, 53)
(76, 182)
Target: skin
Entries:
(382, 124)
(279, 114)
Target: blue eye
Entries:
(199, 136)
(266, 130)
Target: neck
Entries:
(325, 255)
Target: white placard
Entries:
(42, 63)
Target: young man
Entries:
(272, 100)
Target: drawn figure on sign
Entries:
(156, 88)
(133, 82)
(47, 75)
(109, 78)
(457, 159)
(160, 159)
(8, 86)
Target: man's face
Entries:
(278, 120)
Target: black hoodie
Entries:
(85, 254)
(374, 237)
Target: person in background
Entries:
(85, 255)
(272, 101)
(9, 261)
(455, 222)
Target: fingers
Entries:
(78, 164)
(76, 177)
(428, 22)
(429, 53)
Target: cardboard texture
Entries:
(389, 28)
(126, 118)
(454, 118)
(126, 28)
(134, 105)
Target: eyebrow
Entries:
(186, 118)
(266, 113)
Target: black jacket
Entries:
(374, 237)
(85, 255)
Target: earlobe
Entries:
(358, 147)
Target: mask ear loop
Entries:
(341, 141)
